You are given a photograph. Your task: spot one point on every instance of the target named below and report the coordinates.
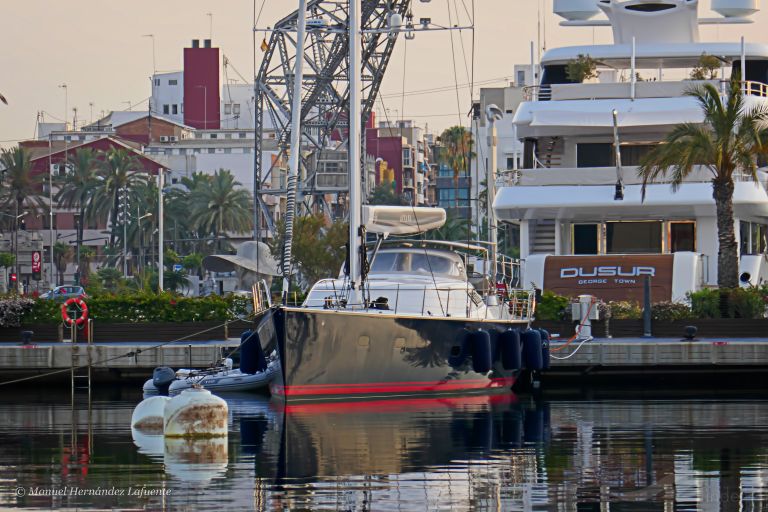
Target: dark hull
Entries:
(331, 355)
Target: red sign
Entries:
(610, 277)
(37, 262)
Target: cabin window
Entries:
(633, 237)
(585, 239)
(594, 154)
(682, 236)
(754, 238)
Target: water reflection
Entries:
(500, 453)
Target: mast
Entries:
(355, 63)
(293, 172)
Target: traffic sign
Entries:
(177, 267)
(37, 265)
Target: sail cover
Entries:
(401, 220)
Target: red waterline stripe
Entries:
(399, 405)
(377, 388)
(404, 383)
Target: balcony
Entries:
(623, 90)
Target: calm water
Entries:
(567, 453)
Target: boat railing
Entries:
(261, 296)
(431, 301)
(752, 88)
(537, 93)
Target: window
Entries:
(585, 239)
(157, 82)
(633, 237)
(593, 154)
(682, 236)
(175, 109)
(512, 162)
(227, 135)
(520, 78)
(407, 157)
(447, 197)
(173, 82)
(211, 150)
(47, 221)
(754, 238)
(241, 135)
(227, 109)
(227, 151)
(214, 136)
(236, 109)
(166, 109)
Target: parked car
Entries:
(62, 293)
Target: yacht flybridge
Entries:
(584, 227)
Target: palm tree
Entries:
(62, 254)
(457, 152)
(221, 206)
(76, 188)
(178, 224)
(728, 142)
(87, 254)
(23, 186)
(119, 173)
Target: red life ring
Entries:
(81, 305)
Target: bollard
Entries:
(647, 308)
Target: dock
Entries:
(109, 361)
(611, 359)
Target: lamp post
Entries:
(139, 218)
(15, 241)
(205, 105)
(160, 229)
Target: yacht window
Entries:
(594, 154)
(384, 262)
(682, 236)
(633, 237)
(754, 238)
(649, 7)
(585, 239)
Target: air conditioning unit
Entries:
(163, 138)
(173, 138)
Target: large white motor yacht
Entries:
(584, 226)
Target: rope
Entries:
(584, 340)
(132, 353)
(576, 334)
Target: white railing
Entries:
(429, 301)
(623, 90)
(537, 93)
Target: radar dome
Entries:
(735, 8)
(576, 10)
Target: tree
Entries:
(22, 186)
(582, 68)
(119, 171)
(76, 188)
(87, 254)
(6, 261)
(62, 255)
(318, 249)
(455, 229)
(221, 205)
(706, 68)
(384, 194)
(193, 263)
(456, 153)
(728, 141)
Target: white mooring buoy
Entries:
(149, 415)
(195, 413)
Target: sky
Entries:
(98, 49)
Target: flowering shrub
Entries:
(622, 310)
(670, 311)
(144, 307)
(12, 310)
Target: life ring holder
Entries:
(81, 305)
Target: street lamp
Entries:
(141, 236)
(205, 105)
(160, 184)
(16, 241)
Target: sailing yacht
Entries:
(404, 318)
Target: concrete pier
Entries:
(643, 356)
(109, 359)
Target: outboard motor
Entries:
(162, 377)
